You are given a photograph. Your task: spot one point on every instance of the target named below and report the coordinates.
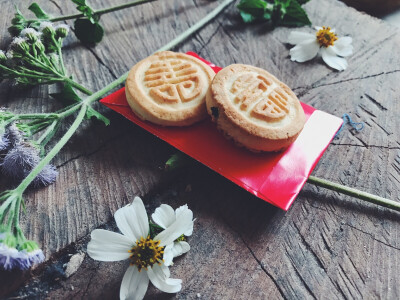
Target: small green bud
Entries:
(9, 240)
(47, 29)
(62, 31)
(39, 45)
(18, 19)
(15, 30)
(30, 34)
(29, 246)
(19, 45)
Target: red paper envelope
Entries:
(274, 177)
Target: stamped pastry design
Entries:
(169, 88)
(254, 108)
(259, 96)
(173, 81)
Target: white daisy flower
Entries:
(165, 216)
(145, 254)
(325, 42)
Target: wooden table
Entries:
(326, 246)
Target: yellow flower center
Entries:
(146, 253)
(326, 37)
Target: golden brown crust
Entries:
(255, 108)
(169, 88)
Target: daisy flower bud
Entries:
(30, 34)
(62, 30)
(47, 29)
(19, 45)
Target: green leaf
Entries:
(79, 2)
(301, 2)
(87, 32)
(247, 18)
(68, 96)
(86, 10)
(93, 113)
(38, 11)
(295, 15)
(252, 10)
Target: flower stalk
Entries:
(99, 12)
(354, 193)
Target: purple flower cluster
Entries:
(22, 157)
(23, 259)
(11, 258)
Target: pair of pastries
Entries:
(247, 103)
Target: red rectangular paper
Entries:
(274, 177)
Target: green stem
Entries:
(48, 131)
(355, 193)
(46, 160)
(5, 207)
(99, 11)
(77, 86)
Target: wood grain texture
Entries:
(328, 246)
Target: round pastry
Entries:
(254, 108)
(169, 88)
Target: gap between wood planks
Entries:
(314, 85)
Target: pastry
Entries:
(254, 108)
(169, 88)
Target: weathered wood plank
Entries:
(327, 246)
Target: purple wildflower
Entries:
(28, 254)
(11, 258)
(4, 142)
(46, 177)
(22, 159)
(14, 135)
(36, 256)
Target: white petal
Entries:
(134, 284)
(297, 37)
(132, 220)
(168, 255)
(343, 46)
(181, 225)
(109, 246)
(305, 51)
(159, 279)
(180, 248)
(317, 28)
(174, 250)
(181, 210)
(330, 58)
(164, 216)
